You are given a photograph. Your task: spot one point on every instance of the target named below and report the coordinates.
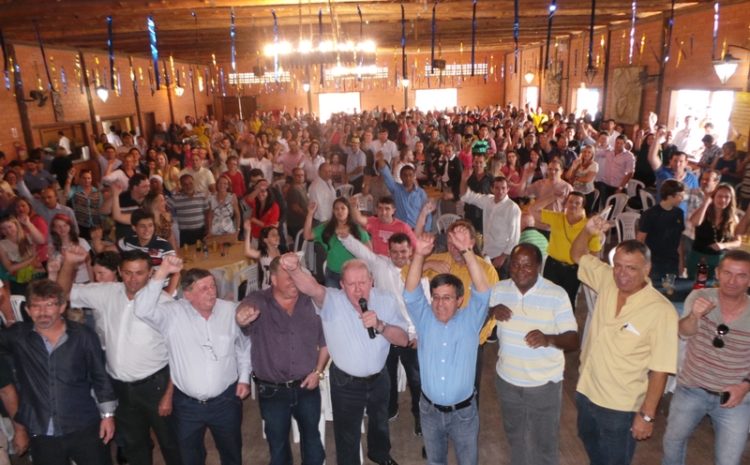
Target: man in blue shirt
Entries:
(408, 195)
(677, 169)
(358, 341)
(447, 350)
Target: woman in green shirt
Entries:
(326, 234)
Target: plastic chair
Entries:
(618, 202)
(445, 220)
(634, 187)
(17, 303)
(647, 200)
(344, 190)
(626, 223)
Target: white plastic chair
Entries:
(647, 200)
(611, 256)
(16, 304)
(445, 220)
(626, 223)
(363, 203)
(618, 202)
(344, 190)
(633, 187)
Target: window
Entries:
(462, 69)
(587, 100)
(338, 102)
(706, 106)
(531, 96)
(436, 99)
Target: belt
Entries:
(449, 408)
(713, 393)
(363, 379)
(571, 265)
(287, 384)
(147, 378)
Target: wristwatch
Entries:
(380, 328)
(465, 250)
(107, 415)
(646, 418)
(321, 375)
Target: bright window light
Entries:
(338, 102)
(436, 99)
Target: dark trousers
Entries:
(605, 190)
(278, 405)
(565, 276)
(191, 236)
(138, 413)
(350, 397)
(222, 415)
(83, 447)
(605, 433)
(409, 360)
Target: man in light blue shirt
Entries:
(359, 339)
(408, 195)
(447, 350)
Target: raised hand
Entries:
(702, 306)
(429, 207)
(311, 208)
(461, 238)
(246, 314)
(289, 261)
(424, 245)
(171, 264)
(597, 225)
(74, 254)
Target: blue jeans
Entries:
(459, 426)
(605, 433)
(688, 407)
(222, 415)
(350, 397)
(531, 419)
(277, 407)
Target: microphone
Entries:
(363, 306)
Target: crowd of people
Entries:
(391, 281)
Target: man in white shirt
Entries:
(688, 139)
(64, 143)
(209, 359)
(387, 147)
(137, 358)
(612, 133)
(323, 193)
(501, 218)
(387, 272)
(202, 177)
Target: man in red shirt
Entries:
(383, 226)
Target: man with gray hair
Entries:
(360, 323)
(209, 360)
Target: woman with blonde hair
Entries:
(17, 255)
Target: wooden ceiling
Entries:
(79, 23)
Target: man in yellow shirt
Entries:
(628, 352)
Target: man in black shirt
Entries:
(660, 229)
(58, 363)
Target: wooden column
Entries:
(89, 99)
(605, 85)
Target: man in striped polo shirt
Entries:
(191, 208)
(715, 377)
(535, 325)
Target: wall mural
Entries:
(627, 93)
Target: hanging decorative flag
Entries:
(403, 42)
(64, 80)
(6, 62)
(53, 72)
(79, 75)
(111, 52)
(516, 32)
(590, 69)
(44, 57)
(151, 26)
(361, 56)
(715, 36)
(633, 10)
(275, 46)
(473, 33)
(223, 90)
(151, 81)
(667, 46)
(320, 39)
(432, 50)
(232, 35)
(552, 9)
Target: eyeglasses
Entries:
(721, 331)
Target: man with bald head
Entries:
(360, 323)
